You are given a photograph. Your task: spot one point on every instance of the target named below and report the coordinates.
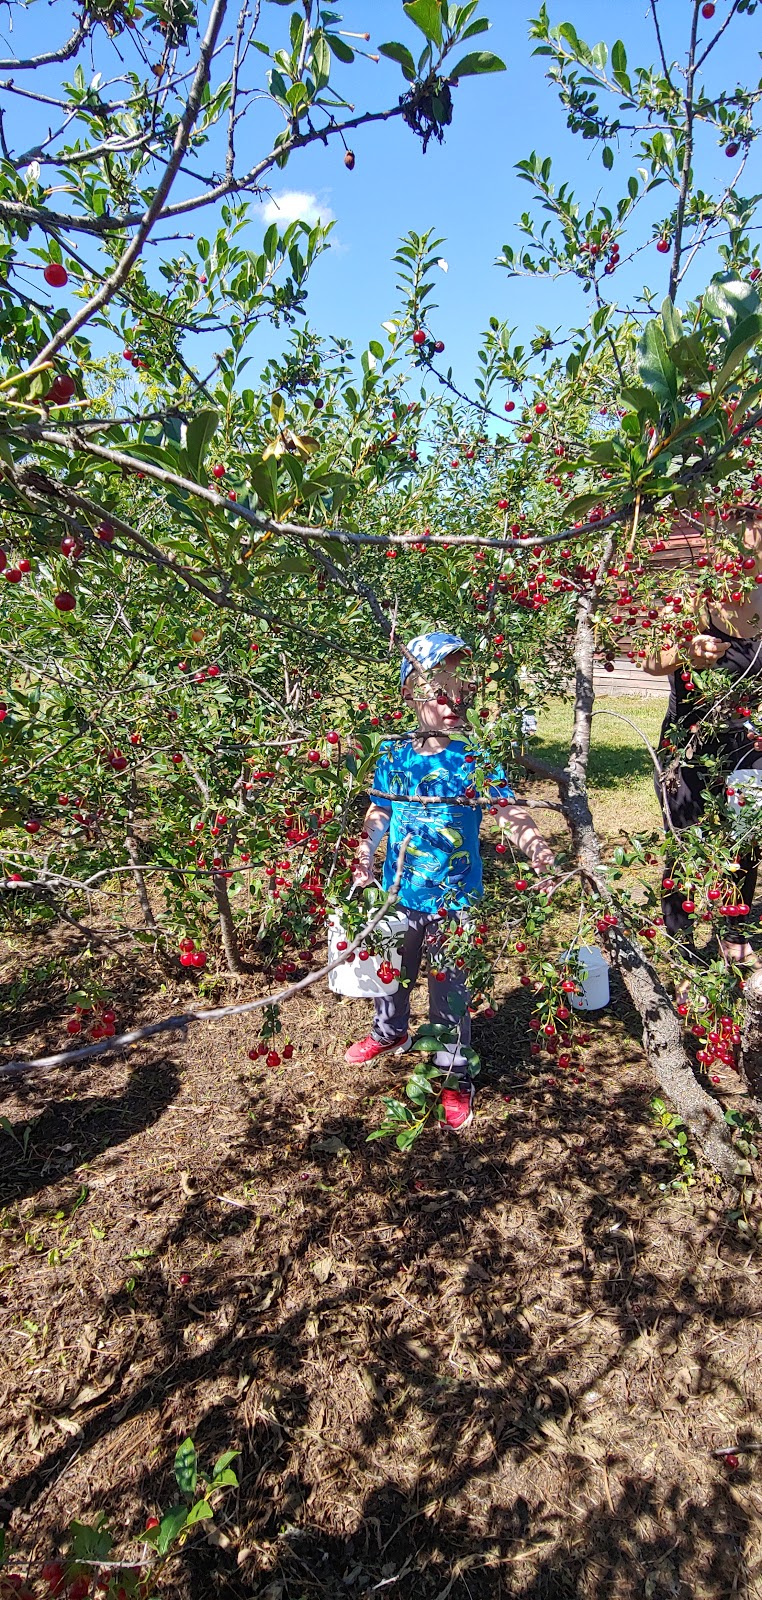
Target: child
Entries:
(442, 870)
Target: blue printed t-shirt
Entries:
(442, 864)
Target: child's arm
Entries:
(525, 835)
(374, 827)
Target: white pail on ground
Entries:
(593, 975)
(358, 979)
(741, 781)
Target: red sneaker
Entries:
(458, 1105)
(368, 1048)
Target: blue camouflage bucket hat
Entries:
(429, 649)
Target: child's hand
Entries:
(362, 876)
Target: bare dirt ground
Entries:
(496, 1365)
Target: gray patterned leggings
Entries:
(392, 1012)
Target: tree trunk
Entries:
(751, 1041)
(227, 927)
(662, 1037)
(134, 855)
(667, 1057)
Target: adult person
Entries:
(730, 641)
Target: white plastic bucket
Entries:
(740, 782)
(594, 977)
(358, 979)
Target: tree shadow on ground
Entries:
(477, 1369)
(60, 1136)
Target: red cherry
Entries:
(13, 575)
(218, 471)
(439, 346)
(288, 1051)
(53, 1573)
(104, 532)
(61, 390)
(32, 825)
(510, 405)
(708, 10)
(64, 601)
(74, 1025)
(272, 1059)
(663, 246)
(731, 1461)
(419, 337)
(732, 149)
(24, 565)
(55, 275)
(540, 408)
(198, 958)
(502, 505)
(152, 1522)
(184, 1279)
(127, 355)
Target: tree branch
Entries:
(185, 128)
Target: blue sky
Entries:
(467, 188)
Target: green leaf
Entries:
(186, 1467)
(399, 53)
(479, 61)
(418, 1086)
(427, 16)
(321, 60)
(481, 25)
(201, 1511)
(608, 157)
(655, 369)
(672, 321)
(289, 565)
(690, 358)
(198, 436)
(340, 49)
(172, 1524)
(407, 1137)
(278, 409)
(581, 504)
(225, 1479)
(618, 57)
(748, 333)
(90, 1541)
(729, 300)
(641, 400)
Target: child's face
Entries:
(440, 702)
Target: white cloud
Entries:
(295, 203)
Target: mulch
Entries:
(498, 1364)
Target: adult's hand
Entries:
(705, 651)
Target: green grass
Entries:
(620, 774)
